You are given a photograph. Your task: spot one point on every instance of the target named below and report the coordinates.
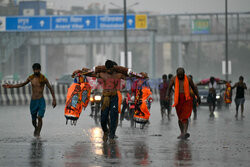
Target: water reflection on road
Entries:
(96, 140)
(141, 153)
(183, 155)
(36, 153)
(214, 141)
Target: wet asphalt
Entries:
(219, 141)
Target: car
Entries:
(65, 79)
(203, 92)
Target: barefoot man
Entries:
(163, 90)
(110, 76)
(183, 102)
(37, 104)
(240, 95)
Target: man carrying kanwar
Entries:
(110, 76)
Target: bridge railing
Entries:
(181, 24)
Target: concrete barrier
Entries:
(22, 96)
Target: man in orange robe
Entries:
(183, 102)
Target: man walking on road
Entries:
(37, 104)
(110, 76)
(163, 91)
(182, 99)
(240, 95)
(212, 83)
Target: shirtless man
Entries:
(37, 104)
(211, 98)
(240, 95)
(110, 80)
(182, 99)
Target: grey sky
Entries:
(164, 6)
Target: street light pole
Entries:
(125, 28)
(226, 41)
(125, 34)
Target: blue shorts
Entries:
(239, 101)
(37, 107)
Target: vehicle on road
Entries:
(95, 102)
(203, 92)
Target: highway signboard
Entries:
(115, 22)
(72, 23)
(28, 23)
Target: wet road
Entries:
(218, 141)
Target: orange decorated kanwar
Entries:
(142, 94)
(77, 97)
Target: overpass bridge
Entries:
(77, 38)
(175, 30)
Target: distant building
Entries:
(119, 11)
(32, 8)
(95, 8)
(8, 8)
(78, 10)
(5, 2)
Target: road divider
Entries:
(22, 96)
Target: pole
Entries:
(125, 34)
(226, 41)
(152, 56)
(180, 58)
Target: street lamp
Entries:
(125, 33)
(226, 42)
(111, 3)
(125, 28)
(119, 7)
